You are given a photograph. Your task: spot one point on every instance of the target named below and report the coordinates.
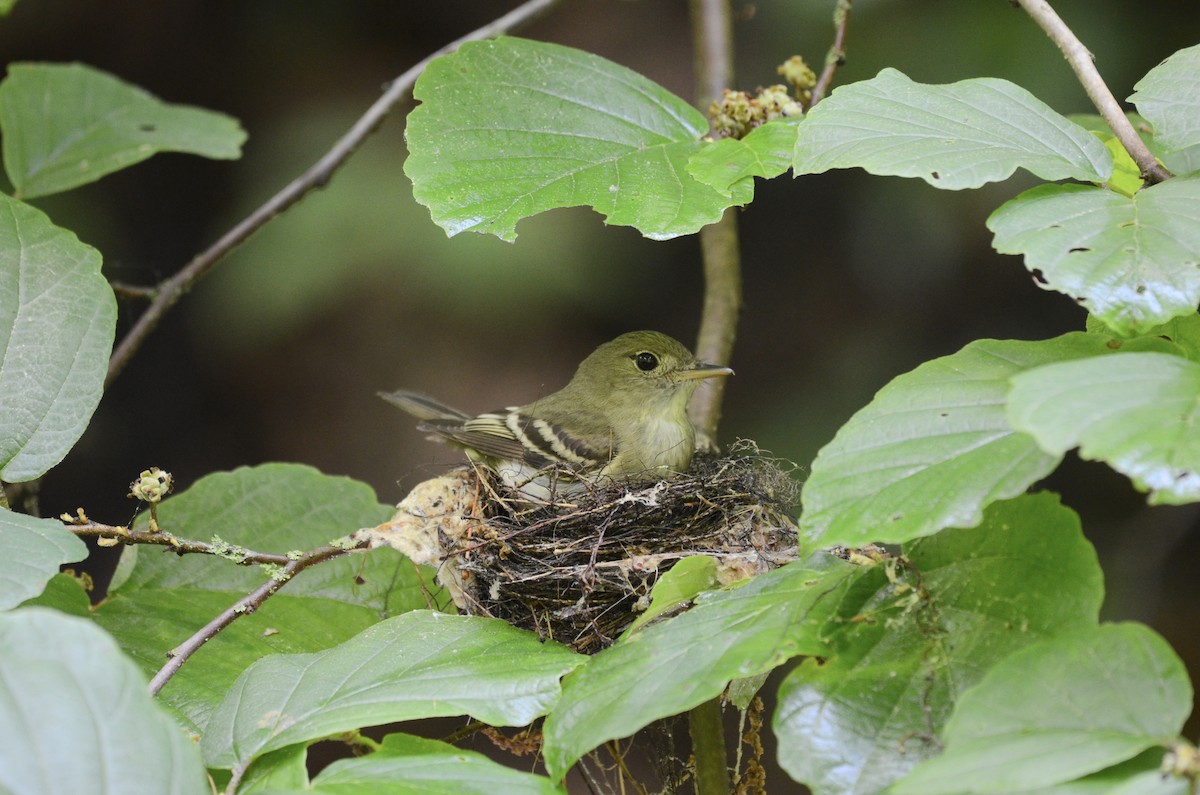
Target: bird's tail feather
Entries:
(421, 406)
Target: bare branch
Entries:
(713, 43)
(110, 535)
(173, 288)
(837, 51)
(1082, 63)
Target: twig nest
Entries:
(579, 569)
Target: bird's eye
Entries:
(646, 361)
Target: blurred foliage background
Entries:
(850, 280)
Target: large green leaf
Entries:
(1059, 710)
(66, 125)
(908, 643)
(1133, 261)
(75, 716)
(673, 666)
(1136, 411)
(934, 447)
(271, 508)
(953, 136)
(1169, 98)
(57, 319)
(419, 665)
(33, 551)
(510, 127)
(407, 765)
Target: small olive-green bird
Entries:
(623, 415)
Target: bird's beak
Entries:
(702, 370)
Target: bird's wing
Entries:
(511, 435)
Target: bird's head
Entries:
(644, 366)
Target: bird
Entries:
(623, 415)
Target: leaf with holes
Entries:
(1138, 412)
(66, 125)
(1133, 261)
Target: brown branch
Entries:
(172, 289)
(110, 535)
(837, 52)
(1082, 63)
(712, 32)
(244, 606)
(713, 43)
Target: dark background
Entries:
(850, 280)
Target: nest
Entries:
(580, 569)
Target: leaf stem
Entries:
(1083, 64)
(170, 290)
(708, 746)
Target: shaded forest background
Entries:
(850, 280)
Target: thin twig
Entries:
(136, 291)
(837, 52)
(173, 288)
(1083, 64)
(182, 546)
(244, 606)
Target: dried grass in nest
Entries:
(580, 569)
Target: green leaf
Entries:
(285, 769)
(57, 320)
(77, 716)
(670, 667)
(1134, 262)
(271, 508)
(680, 584)
(1169, 97)
(955, 136)
(66, 125)
(1058, 710)
(419, 665)
(65, 594)
(33, 551)
(1135, 411)
(408, 765)
(509, 128)
(1126, 178)
(765, 152)
(907, 642)
(1141, 775)
(1184, 332)
(933, 448)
